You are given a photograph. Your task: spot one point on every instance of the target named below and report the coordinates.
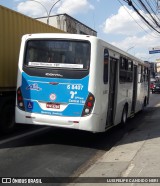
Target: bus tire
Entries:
(7, 118)
(124, 115)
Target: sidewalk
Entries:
(136, 155)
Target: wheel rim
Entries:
(124, 116)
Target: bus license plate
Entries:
(53, 105)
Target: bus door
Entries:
(134, 97)
(112, 99)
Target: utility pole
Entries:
(47, 12)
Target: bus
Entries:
(78, 82)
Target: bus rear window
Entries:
(58, 54)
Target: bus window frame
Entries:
(125, 73)
(25, 63)
(105, 65)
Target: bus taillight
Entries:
(20, 102)
(88, 105)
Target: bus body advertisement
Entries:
(77, 81)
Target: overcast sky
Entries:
(116, 24)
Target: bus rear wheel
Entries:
(124, 115)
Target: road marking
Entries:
(129, 169)
(23, 135)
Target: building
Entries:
(68, 24)
(158, 66)
(154, 68)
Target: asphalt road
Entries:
(51, 152)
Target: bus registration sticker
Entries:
(53, 105)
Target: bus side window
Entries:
(105, 71)
(139, 74)
(130, 71)
(125, 70)
(122, 69)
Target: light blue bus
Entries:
(78, 81)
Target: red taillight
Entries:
(19, 98)
(88, 105)
(20, 102)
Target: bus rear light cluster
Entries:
(20, 99)
(88, 105)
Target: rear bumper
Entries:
(89, 123)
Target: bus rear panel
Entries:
(52, 87)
